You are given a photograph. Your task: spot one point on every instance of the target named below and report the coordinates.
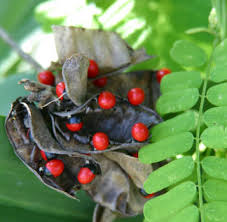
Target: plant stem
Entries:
(6, 38)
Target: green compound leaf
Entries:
(215, 190)
(217, 95)
(180, 80)
(177, 101)
(216, 211)
(166, 148)
(215, 167)
(182, 123)
(191, 213)
(167, 205)
(215, 137)
(219, 73)
(169, 174)
(219, 55)
(216, 116)
(188, 54)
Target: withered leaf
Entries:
(103, 214)
(106, 48)
(114, 189)
(74, 73)
(137, 171)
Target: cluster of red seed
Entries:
(100, 140)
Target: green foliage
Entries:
(187, 54)
(190, 99)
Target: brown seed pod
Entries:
(119, 177)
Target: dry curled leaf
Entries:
(107, 48)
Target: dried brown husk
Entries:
(112, 188)
(74, 73)
(103, 214)
(116, 123)
(108, 49)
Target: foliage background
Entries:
(152, 24)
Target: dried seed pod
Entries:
(119, 177)
(107, 48)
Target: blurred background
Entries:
(152, 24)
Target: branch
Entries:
(6, 38)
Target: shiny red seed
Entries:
(43, 154)
(136, 96)
(55, 167)
(161, 73)
(100, 82)
(46, 77)
(140, 132)
(100, 141)
(135, 154)
(106, 100)
(93, 69)
(60, 88)
(149, 195)
(85, 175)
(74, 126)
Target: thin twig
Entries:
(6, 38)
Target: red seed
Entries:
(106, 100)
(161, 73)
(100, 141)
(85, 175)
(74, 126)
(140, 132)
(93, 69)
(136, 96)
(135, 154)
(60, 88)
(46, 77)
(56, 167)
(149, 195)
(43, 155)
(100, 82)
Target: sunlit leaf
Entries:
(215, 167)
(180, 80)
(215, 190)
(217, 95)
(181, 123)
(166, 148)
(215, 137)
(188, 54)
(169, 174)
(177, 101)
(167, 205)
(215, 211)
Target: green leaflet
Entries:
(215, 167)
(215, 190)
(216, 116)
(181, 123)
(188, 54)
(215, 137)
(167, 205)
(177, 101)
(219, 73)
(217, 95)
(216, 211)
(169, 174)
(191, 213)
(166, 148)
(180, 80)
(219, 55)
